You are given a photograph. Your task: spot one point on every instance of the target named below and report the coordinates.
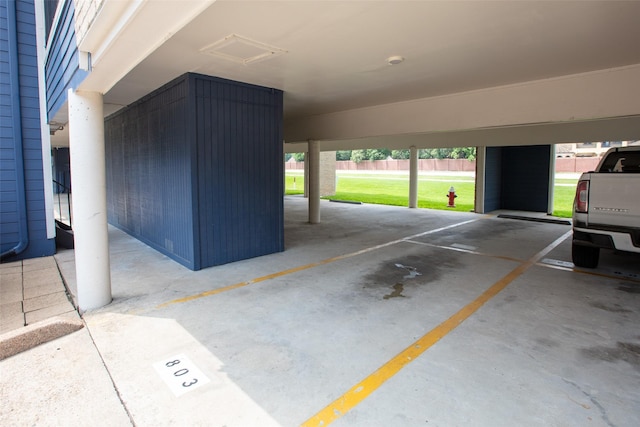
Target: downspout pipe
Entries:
(23, 231)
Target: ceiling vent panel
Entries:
(242, 50)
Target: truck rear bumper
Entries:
(620, 240)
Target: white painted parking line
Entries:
(180, 374)
(557, 262)
(466, 251)
(315, 264)
(465, 247)
(609, 274)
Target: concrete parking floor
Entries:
(378, 316)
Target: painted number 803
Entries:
(181, 372)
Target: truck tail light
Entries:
(581, 201)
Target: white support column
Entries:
(44, 127)
(88, 178)
(413, 177)
(306, 174)
(481, 156)
(313, 161)
(552, 178)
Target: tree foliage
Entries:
(429, 153)
(381, 154)
(400, 154)
(378, 154)
(448, 153)
(343, 155)
(464, 153)
(358, 155)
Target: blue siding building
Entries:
(23, 217)
(194, 169)
(62, 66)
(199, 178)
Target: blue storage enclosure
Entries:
(517, 178)
(493, 179)
(525, 178)
(195, 169)
(23, 220)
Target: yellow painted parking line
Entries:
(308, 266)
(364, 388)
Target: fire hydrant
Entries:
(452, 198)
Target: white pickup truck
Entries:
(606, 209)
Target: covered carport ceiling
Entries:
(462, 59)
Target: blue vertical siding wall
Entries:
(62, 67)
(9, 213)
(493, 179)
(517, 178)
(525, 173)
(239, 154)
(195, 170)
(149, 172)
(26, 166)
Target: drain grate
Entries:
(534, 219)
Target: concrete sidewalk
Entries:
(31, 291)
(35, 306)
(49, 365)
(351, 306)
(50, 370)
(62, 382)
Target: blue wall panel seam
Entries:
(12, 34)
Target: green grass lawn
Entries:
(393, 189)
(563, 199)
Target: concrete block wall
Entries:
(327, 173)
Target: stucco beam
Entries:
(581, 97)
(613, 129)
(300, 147)
(123, 33)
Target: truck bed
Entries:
(607, 207)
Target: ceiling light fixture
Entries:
(54, 127)
(395, 60)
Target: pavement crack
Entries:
(106, 368)
(592, 399)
